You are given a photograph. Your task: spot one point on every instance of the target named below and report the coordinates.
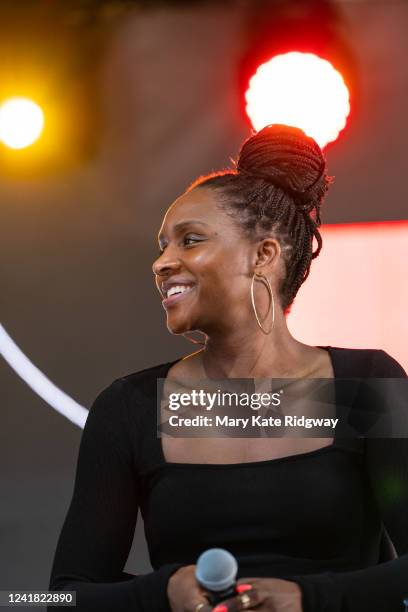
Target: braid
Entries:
(277, 188)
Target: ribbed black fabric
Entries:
(316, 518)
(97, 534)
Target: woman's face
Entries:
(204, 251)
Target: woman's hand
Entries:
(266, 594)
(184, 593)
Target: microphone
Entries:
(216, 572)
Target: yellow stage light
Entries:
(21, 122)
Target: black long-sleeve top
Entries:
(316, 518)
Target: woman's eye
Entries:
(187, 238)
(185, 241)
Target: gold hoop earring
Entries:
(268, 285)
(196, 341)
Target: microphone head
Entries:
(216, 569)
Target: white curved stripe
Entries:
(57, 399)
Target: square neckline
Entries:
(244, 464)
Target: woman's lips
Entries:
(177, 297)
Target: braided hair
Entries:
(277, 189)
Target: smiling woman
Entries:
(309, 519)
(271, 202)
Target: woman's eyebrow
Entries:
(182, 224)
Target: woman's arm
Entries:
(383, 587)
(97, 534)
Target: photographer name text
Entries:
(253, 421)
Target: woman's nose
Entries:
(163, 263)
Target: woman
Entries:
(305, 517)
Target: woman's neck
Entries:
(254, 354)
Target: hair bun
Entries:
(289, 159)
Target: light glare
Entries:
(39, 383)
(301, 90)
(21, 122)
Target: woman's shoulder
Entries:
(349, 362)
(146, 377)
(371, 362)
(117, 400)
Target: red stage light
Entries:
(302, 90)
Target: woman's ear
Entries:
(268, 253)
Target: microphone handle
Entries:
(216, 597)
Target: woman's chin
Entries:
(178, 327)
